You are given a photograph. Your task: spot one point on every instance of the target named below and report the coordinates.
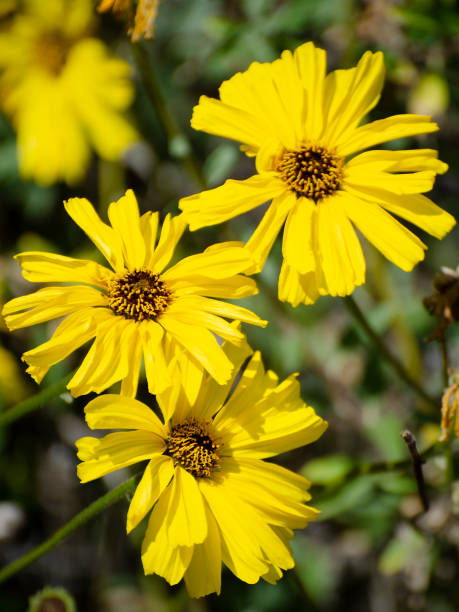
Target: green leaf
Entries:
(328, 469)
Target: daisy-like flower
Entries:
(303, 127)
(63, 91)
(138, 308)
(143, 24)
(212, 496)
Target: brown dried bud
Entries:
(444, 304)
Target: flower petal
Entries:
(297, 245)
(262, 239)
(376, 132)
(40, 267)
(202, 345)
(155, 479)
(230, 199)
(186, 517)
(112, 411)
(203, 575)
(118, 450)
(171, 232)
(102, 235)
(415, 208)
(394, 241)
(125, 220)
(50, 303)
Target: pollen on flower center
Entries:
(51, 50)
(139, 295)
(311, 171)
(192, 445)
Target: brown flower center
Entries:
(51, 50)
(192, 445)
(311, 172)
(139, 295)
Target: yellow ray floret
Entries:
(139, 308)
(303, 127)
(212, 497)
(64, 92)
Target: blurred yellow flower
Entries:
(213, 498)
(145, 15)
(137, 309)
(303, 127)
(63, 90)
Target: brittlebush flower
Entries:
(303, 128)
(63, 90)
(143, 24)
(137, 308)
(212, 497)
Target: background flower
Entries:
(303, 128)
(211, 495)
(63, 90)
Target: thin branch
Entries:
(35, 402)
(82, 517)
(417, 461)
(384, 351)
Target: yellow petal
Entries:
(134, 351)
(156, 367)
(158, 556)
(111, 411)
(186, 517)
(104, 237)
(125, 220)
(155, 479)
(233, 287)
(149, 228)
(40, 267)
(311, 65)
(297, 245)
(376, 132)
(203, 575)
(50, 303)
(171, 232)
(105, 363)
(341, 257)
(350, 94)
(217, 261)
(241, 551)
(202, 345)
(398, 161)
(230, 200)
(389, 236)
(297, 288)
(262, 239)
(73, 332)
(415, 208)
(118, 450)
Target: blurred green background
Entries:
(371, 550)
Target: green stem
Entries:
(85, 515)
(179, 145)
(35, 402)
(384, 351)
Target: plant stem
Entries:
(179, 145)
(417, 460)
(384, 351)
(444, 361)
(85, 515)
(35, 402)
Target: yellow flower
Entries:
(145, 16)
(303, 127)
(64, 92)
(139, 308)
(214, 499)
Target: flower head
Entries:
(64, 92)
(212, 497)
(303, 128)
(137, 308)
(143, 23)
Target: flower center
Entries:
(139, 295)
(311, 172)
(192, 446)
(51, 50)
